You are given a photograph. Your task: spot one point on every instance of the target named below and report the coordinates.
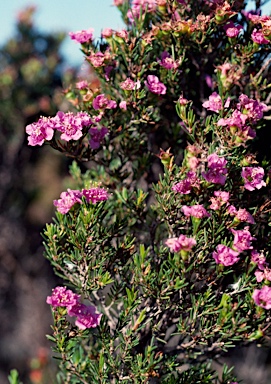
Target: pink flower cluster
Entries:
(71, 197)
(86, 316)
(68, 124)
(181, 243)
(248, 111)
(82, 36)
(217, 169)
(262, 297)
(242, 242)
(155, 86)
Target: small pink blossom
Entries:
(197, 211)
(129, 84)
(242, 239)
(102, 102)
(184, 186)
(217, 169)
(253, 178)
(232, 30)
(123, 105)
(182, 242)
(252, 109)
(167, 61)
(263, 275)
(214, 103)
(243, 215)
(155, 86)
(82, 84)
(40, 131)
(62, 297)
(258, 37)
(95, 195)
(221, 198)
(225, 255)
(86, 316)
(82, 36)
(96, 136)
(68, 200)
(97, 59)
(107, 32)
(259, 259)
(262, 297)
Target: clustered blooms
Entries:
(248, 111)
(71, 197)
(129, 84)
(86, 316)
(185, 186)
(68, 124)
(71, 126)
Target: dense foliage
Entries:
(169, 246)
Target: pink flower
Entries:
(40, 131)
(242, 239)
(96, 136)
(197, 211)
(107, 32)
(67, 200)
(221, 198)
(86, 316)
(214, 103)
(259, 259)
(143, 6)
(258, 37)
(129, 84)
(232, 30)
(253, 178)
(94, 195)
(123, 105)
(184, 186)
(82, 36)
(225, 255)
(167, 61)
(82, 84)
(71, 125)
(243, 215)
(182, 242)
(62, 297)
(97, 59)
(155, 86)
(217, 169)
(263, 275)
(252, 109)
(102, 102)
(262, 297)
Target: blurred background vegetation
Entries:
(31, 84)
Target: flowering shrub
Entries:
(165, 243)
